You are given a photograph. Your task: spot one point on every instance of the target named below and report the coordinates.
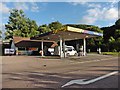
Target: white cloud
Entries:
(92, 15)
(61, 0)
(93, 5)
(5, 9)
(30, 0)
(83, 2)
(88, 20)
(97, 12)
(34, 7)
(94, 12)
(78, 1)
(111, 14)
(26, 6)
(21, 5)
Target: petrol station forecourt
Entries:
(37, 72)
(66, 33)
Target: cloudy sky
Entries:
(93, 13)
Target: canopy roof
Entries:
(26, 42)
(67, 33)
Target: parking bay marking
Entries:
(83, 82)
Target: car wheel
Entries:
(67, 54)
(75, 54)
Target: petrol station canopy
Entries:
(67, 33)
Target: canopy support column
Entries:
(64, 48)
(61, 47)
(84, 47)
(42, 48)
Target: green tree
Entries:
(52, 26)
(108, 32)
(14, 23)
(55, 25)
(98, 41)
(117, 44)
(111, 36)
(117, 33)
(111, 43)
(117, 23)
(20, 25)
(43, 29)
(32, 28)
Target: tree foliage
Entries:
(43, 29)
(111, 36)
(55, 25)
(20, 25)
(50, 27)
(117, 23)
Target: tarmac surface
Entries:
(37, 72)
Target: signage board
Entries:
(9, 51)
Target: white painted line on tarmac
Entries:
(16, 78)
(96, 60)
(40, 74)
(35, 73)
(83, 82)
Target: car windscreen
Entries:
(69, 49)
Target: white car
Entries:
(51, 50)
(70, 51)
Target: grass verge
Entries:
(111, 53)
